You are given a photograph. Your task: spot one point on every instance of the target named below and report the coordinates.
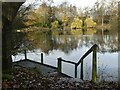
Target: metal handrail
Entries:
(86, 54)
(94, 64)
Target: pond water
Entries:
(71, 48)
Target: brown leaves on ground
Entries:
(31, 79)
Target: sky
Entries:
(78, 3)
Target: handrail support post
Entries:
(81, 74)
(59, 64)
(75, 71)
(25, 52)
(94, 65)
(42, 58)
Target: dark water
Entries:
(72, 47)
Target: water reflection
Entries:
(72, 47)
(66, 43)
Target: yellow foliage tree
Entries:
(76, 24)
(30, 19)
(55, 24)
(64, 18)
(90, 23)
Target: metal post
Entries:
(25, 54)
(75, 71)
(59, 64)
(94, 65)
(81, 74)
(42, 58)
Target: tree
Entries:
(23, 14)
(45, 14)
(55, 25)
(76, 24)
(89, 22)
(112, 8)
(9, 12)
(99, 11)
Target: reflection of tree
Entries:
(41, 40)
(107, 42)
(18, 39)
(20, 43)
(45, 42)
(67, 43)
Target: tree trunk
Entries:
(9, 11)
(6, 47)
